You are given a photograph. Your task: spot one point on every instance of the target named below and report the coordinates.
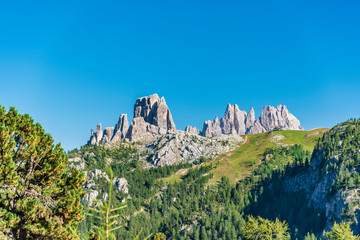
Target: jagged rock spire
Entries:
(152, 117)
(238, 122)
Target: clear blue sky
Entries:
(73, 64)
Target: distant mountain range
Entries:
(152, 118)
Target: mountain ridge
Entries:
(152, 118)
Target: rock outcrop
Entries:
(239, 122)
(95, 138)
(121, 128)
(192, 130)
(155, 112)
(272, 118)
(233, 121)
(250, 119)
(107, 134)
(121, 185)
(178, 146)
(152, 117)
(212, 128)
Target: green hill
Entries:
(239, 164)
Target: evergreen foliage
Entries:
(341, 232)
(39, 199)
(260, 228)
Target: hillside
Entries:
(153, 193)
(239, 163)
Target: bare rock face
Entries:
(192, 130)
(121, 128)
(139, 129)
(212, 128)
(107, 134)
(121, 185)
(250, 120)
(96, 137)
(256, 128)
(155, 112)
(152, 117)
(272, 118)
(279, 117)
(239, 122)
(233, 121)
(99, 133)
(178, 146)
(91, 197)
(92, 137)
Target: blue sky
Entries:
(73, 64)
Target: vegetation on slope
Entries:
(190, 203)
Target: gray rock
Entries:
(272, 118)
(121, 128)
(155, 112)
(99, 133)
(121, 185)
(192, 130)
(179, 146)
(256, 128)
(250, 119)
(212, 128)
(107, 134)
(97, 173)
(233, 121)
(95, 138)
(139, 129)
(239, 122)
(91, 196)
(152, 117)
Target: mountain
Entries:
(332, 182)
(179, 189)
(189, 183)
(239, 122)
(152, 118)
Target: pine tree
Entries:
(39, 199)
(261, 228)
(341, 232)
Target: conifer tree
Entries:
(260, 228)
(340, 232)
(39, 199)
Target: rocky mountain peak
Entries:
(239, 122)
(192, 130)
(152, 117)
(272, 118)
(279, 117)
(121, 128)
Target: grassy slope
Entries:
(239, 163)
